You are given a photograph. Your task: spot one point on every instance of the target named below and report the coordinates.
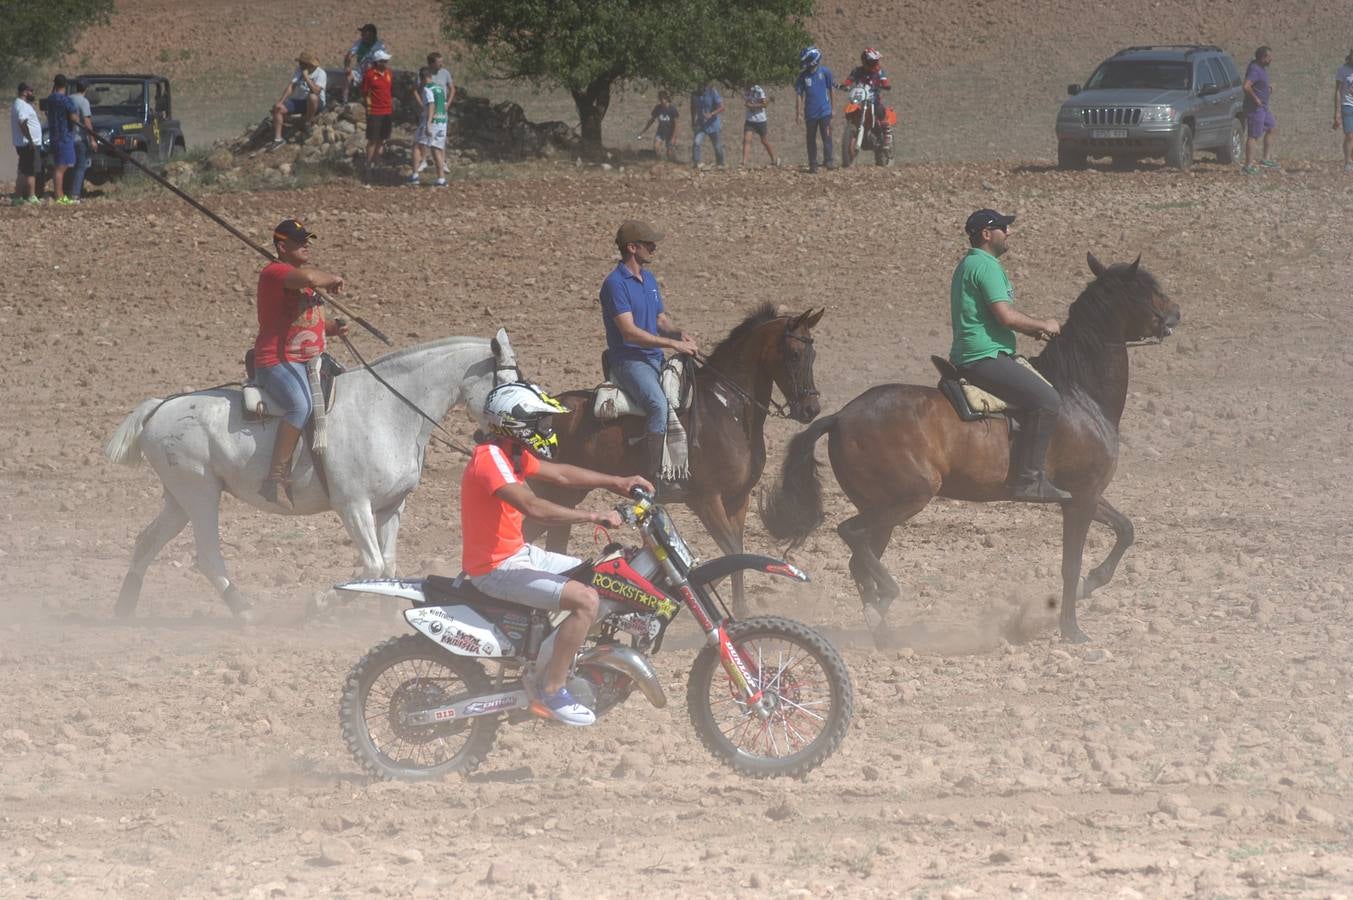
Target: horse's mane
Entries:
(759, 316)
(1093, 321)
(396, 355)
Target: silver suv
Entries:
(1165, 100)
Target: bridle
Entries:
(773, 408)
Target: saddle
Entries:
(970, 401)
(259, 406)
(678, 382)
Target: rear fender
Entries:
(407, 588)
(712, 571)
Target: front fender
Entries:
(724, 566)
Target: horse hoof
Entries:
(873, 617)
(246, 616)
(316, 606)
(1074, 635)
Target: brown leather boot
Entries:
(277, 487)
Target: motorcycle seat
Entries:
(438, 590)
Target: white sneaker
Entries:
(440, 182)
(562, 707)
(421, 166)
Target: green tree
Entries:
(589, 46)
(34, 31)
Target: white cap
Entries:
(380, 56)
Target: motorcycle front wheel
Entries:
(405, 675)
(805, 683)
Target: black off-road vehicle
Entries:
(133, 113)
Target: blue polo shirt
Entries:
(706, 102)
(815, 88)
(59, 127)
(623, 292)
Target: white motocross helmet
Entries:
(519, 410)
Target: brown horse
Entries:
(728, 448)
(896, 446)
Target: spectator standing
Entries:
(706, 111)
(664, 138)
(304, 94)
(756, 102)
(1343, 108)
(1259, 121)
(378, 92)
(26, 132)
(85, 143)
(359, 58)
(430, 138)
(813, 105)
(61, 137)
(441, 75)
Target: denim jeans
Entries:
(288, 383)
(642, 380)
(716, 136)
(80, 168)
(823, 125)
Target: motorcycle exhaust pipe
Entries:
(630, 662)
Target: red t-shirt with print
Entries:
(290, 322)
(490, 527)
(377, 87)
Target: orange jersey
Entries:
(491, 527)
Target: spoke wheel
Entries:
(405, 675)
(806, 687)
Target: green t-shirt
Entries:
(436, 95)
(978, 282)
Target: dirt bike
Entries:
(863, 131)
(768, 696)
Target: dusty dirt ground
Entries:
(1198, 747)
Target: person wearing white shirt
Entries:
(26, 130)
(304, 94)
(756, 101)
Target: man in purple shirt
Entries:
(1259, 120)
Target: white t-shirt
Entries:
(443, 77)
(1345, 79)
(300, 90)
(23, 114)
(755, 94)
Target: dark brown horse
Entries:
(728, 447)
(896, 446)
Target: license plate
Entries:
(1109, 133)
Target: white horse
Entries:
(200, 445)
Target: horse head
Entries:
(792, 365)
(1147, 312)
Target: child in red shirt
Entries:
(378, 92)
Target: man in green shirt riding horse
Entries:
(982, 304)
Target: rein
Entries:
(449, 440)
(773, 408)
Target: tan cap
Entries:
(632, 231)
(308, 58)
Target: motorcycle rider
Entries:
(870, 72)
(495, 497)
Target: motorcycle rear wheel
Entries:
(405, 674)
(809, 689)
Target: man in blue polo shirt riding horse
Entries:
(638, 330)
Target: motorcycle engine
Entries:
(601, 689)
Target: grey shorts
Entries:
(531, 577)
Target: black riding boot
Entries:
(668, 491)
(1030, 481)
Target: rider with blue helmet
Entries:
(813, 104)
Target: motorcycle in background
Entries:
(863, 131)
(768, 696)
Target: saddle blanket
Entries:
(612, 402)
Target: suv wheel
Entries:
(1180, 154)
(1068, 158)
(1234, 149)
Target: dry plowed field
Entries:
(1199, 746)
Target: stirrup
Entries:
(1038, 489)
(269, 492)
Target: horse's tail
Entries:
(794, 507)
(124, 447)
